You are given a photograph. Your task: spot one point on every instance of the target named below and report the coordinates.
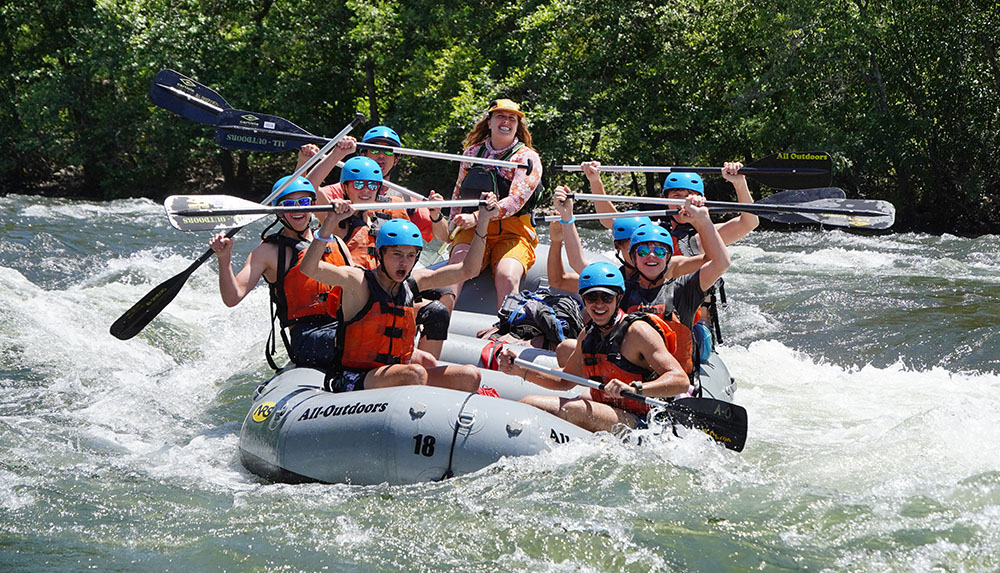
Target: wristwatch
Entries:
(637, 384)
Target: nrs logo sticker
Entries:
(263, 411)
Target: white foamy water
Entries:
(868, 366)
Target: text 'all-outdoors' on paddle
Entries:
(220, 212)
(787, 170)
(725, 422)
(253, 131)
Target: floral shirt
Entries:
(522, 185)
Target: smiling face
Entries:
(297, 221)
(600, 305)
(503, 128)
(367, 192)
(399, 260)
(651, 258)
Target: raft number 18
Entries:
(423, 445)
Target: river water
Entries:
(869, 365)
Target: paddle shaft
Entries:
(379, 206)
(315, 139)
(689, 169)
(747, 207)
(588, 383)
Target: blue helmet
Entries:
(360, 168)
(603, 276)
(299, 184)
(382, 132)
(398, 232)
(690, 181)
(651, 234)
(625, 226)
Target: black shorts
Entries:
(345, 380)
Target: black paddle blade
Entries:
(792, 170)
(144, 311)
(182, 95)
(803, 195)
(725, 422)
(251, 131)
(883, 221)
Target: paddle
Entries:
(725, 422)
(186, 97)
(856, 213)
(148, 307)
(218, 212)
(874, 209)
(251, 131)
(782, 170)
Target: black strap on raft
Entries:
(448, 473)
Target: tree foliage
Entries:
(905, 95)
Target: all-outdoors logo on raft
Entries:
(335, 410)
(263, 411)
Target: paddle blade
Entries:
(725, 422)
(803, 195)
(251, 131)
(194, 212)
(182, 95)
(879, 222)
(792, 170)
(144, 311)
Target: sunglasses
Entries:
(386, 152)
(644, 250)
(372, 185)
(592, 297)
(300, 202)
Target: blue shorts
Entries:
(313, 344)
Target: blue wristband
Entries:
(570, 222)
(319, 237)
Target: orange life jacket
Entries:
(382, 332)
(663, 307)
(295, 296)
(603, 360)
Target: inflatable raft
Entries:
(296, 432)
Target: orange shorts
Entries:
(510, 238)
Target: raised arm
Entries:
(571, 237)
(313, 265)
(319, 171)
(592, 170)
(695, 213)
(735, 229)
(558, 276)
(472, 264)
(234, 287)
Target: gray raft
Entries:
(297, 432)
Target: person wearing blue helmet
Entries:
(299, 303)
(624, 352)
(430, 221)
(676, 301)
(375, 344)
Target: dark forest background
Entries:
(905, 95)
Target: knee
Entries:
(413, 375)
(435, 318)
(564, 350)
